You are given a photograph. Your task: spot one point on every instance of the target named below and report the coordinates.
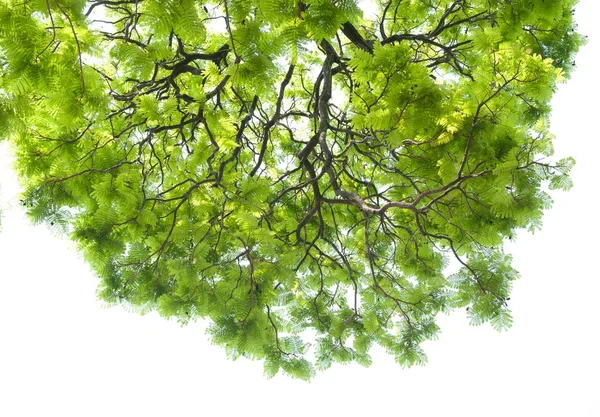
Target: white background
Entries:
(63, 354)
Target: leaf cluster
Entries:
(296, 174)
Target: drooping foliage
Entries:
(296, 172)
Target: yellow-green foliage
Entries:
(286, 168)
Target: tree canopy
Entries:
(298, 174)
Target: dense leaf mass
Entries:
(297, 174)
